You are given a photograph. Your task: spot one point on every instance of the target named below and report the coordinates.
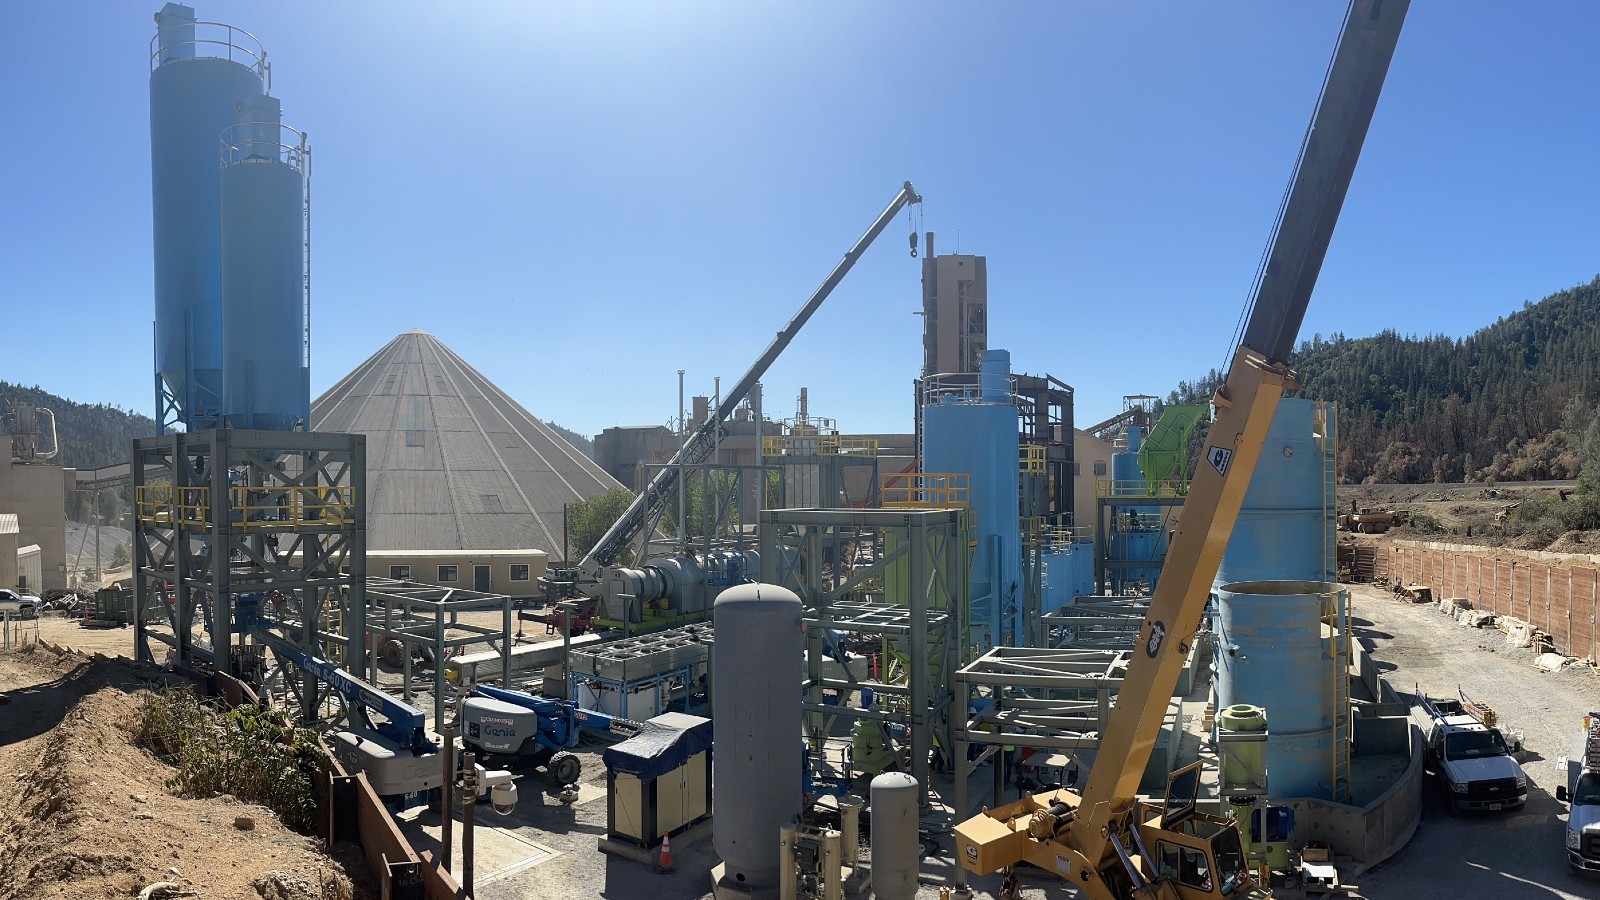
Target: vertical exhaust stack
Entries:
(264, 167)
(199, 72)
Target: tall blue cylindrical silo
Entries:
(1285, 521)
(199, 72)
(1272, 652)
(977, 434)
(265, 381)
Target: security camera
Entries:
(504, 798)
(501, 786)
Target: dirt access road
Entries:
(1501, 855)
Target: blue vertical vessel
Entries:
(265, 379)
(977, 433)
(1272, 647)
(200, 72)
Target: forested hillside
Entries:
(91, 435)
(1516, 400)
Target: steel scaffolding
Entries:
(239, 529)
(907, 600)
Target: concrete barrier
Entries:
(1369, 834)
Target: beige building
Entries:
(514, 573)
(35, 493)
(1093, 457)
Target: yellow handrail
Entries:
(818, 445)
(1031, 459)
(926, 490)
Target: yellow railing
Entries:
(276, 508)
(927, 490)
(1137, 488)
(1031, 459)
(818, 445)
(161, 504)
(291, 507)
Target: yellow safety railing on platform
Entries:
(818, 445)
(926, 490)
(277, 508)
(291, 507)
(1031, 459)
(1135, 488)
(166, 506)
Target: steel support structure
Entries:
(235, 529)
(924, 552)
(719, 523)
(1047, 699)
(1097, 623)
(1110, 571)
(423, 616)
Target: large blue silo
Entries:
(199, 72)
(1272, 651)
(976, 434)
(1285, 521)
(266, 381)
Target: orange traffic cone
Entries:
(665, 864)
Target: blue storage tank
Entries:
(1136, 532)
(1284, 525)
(1272, 652)
(977, 434)
(266, 382)
(199, 72)
(1068, 574)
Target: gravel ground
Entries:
(1505, 856)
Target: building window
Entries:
(519, 571)
(1099, 467)
(448, 574)
(400, 573)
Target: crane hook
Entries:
(913, 245)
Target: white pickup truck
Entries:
(1582, 794)
(1471, 761)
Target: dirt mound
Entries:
(86, 814)
(1576, 542)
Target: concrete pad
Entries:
(497, 852)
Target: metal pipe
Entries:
(469, 810)
(447, 800)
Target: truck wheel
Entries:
(565, 769)
(1450, 806)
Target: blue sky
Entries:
(582, 198)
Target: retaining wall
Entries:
(1559, 594)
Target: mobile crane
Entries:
(1106, 842)
(641, 515)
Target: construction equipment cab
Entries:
(1470, 760)
(1582, 793)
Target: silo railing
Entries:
(210, 40)
(264, 142)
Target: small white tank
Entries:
(895, 843)
(756, 750)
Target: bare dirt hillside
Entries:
(86, 814)
(1470, 513)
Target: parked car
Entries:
(1471, 760)
(1582, 794)
(26, 605)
